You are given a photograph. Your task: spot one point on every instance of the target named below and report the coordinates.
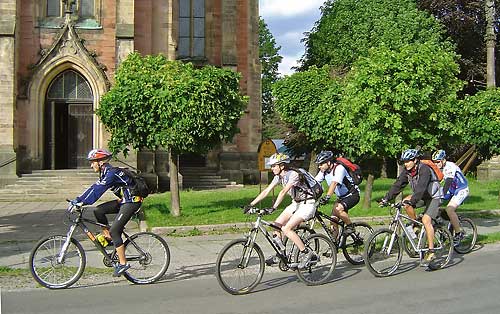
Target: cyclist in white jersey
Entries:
(340, 182)
(456, 189)
(301, 209)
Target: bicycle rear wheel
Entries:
(45, 268)
(405, 243)
(443, 247)
(354, 245)
(383, 253)
(470, 236)
(319, 271)
(239, 268)
(290, 248)
(148, 256)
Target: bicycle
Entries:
(465, 245)
(240, 264)
(384, 248)
(352, 245)
(58, 261)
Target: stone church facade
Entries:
(58, 57)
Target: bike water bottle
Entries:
(279, 243)
(410, 230)
(102, 240)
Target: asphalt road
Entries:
(469, 285)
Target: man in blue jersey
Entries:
(456, 189)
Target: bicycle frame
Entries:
(321, 217)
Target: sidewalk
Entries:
(24, 223)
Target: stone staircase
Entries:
(203, 178)
(50, 185)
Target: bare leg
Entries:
(289, 232)
(451, 211)
(427, 221)
(120, 251)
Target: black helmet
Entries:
(324, 156)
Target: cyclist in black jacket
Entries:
(426, 192)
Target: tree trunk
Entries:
(174, 184)
(368, 191)
(383, 170)
(313, 167)
(490, 38)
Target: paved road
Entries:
(469, 285)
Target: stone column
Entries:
(7, 91)
(124, 29)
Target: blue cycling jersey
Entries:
(110, 178)
(458, 182)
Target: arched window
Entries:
(70, 85)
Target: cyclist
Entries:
(426, 190)
(301, 209)
(456, 189)
(340, 183)
(125, 207)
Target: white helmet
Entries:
(278, 158)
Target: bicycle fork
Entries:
(69, 235)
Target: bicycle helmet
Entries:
(278, 158)
(98, 154)
(439, 155)
(324, 156)
(409, 154)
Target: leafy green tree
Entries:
(348, 29)
(270, 59)
(160, 103)
(481, 116)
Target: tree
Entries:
(160, 103)
(270, 59)
(347, 29)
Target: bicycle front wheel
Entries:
(48, 271)
(149, 257)
(239, 267)
(320, 269)
(383, 253)
(354, 245)
(470, 236)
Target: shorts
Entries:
(460, 196)
(304, 209)
(349, 201)
(431, 207)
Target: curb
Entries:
(240, 225)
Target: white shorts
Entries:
(305, 210)
(460, 197)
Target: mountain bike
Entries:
(240, 264)
(384, 248)
(58, 261)
(352, 245)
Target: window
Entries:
(84, 12)
(191, 28)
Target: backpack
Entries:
(315, 188)
(353, 169)
(140, 187)
(439, 174)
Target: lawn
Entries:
(224, 205)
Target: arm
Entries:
(265, 192)
(282, 193)
(397, 186)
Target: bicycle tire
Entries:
(47, 271)
(378, 260)
(150, 268)
(443, 247)
(319, 272)
(469, 241)
(353, 245)
(232, 277)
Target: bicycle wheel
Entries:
(319, 271)
(443, 247)
(470, 236)
(239, 268)
(354, 244)
(45, 268)
(405, 243)
(383, 253)
(148, 256)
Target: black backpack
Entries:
(316, 190)
(140, 187)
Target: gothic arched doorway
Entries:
(68, 121)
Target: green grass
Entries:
(224, 205)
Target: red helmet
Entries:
(98, 154)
